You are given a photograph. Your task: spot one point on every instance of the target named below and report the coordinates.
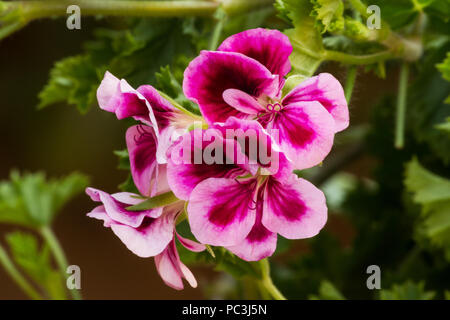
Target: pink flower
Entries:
(244, 79)
(239, 204)
(149, 233)
(144, 104)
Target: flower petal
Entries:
(242, 101)
(150, 238)
(190, 244)
(211, 73)
(327, 90)
(142, 145)
(295, 209)
(306, 132)
(188, 164)
(172, 270)
(162, 109)
(270, 47)
(260, 242)
(115, 207)
(99, 213)
(118, 96)
(221, 211)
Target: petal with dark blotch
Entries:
(260, 242)
(142, 145)
(162, 109)
(305, 131)
(327, 90)
(188, 164)
(212, 72)
(295, 208)
(270, 47)
(222, 211)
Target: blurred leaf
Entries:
(36, 263)
(444, 68)
(444, 126)
(327, 291)
(407, 291)
(305, 38)
(32, 200)
(329, 15)
(433, 193)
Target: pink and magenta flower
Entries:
(244, 78)
(235, 175)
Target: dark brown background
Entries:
(58, 140)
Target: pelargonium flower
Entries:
(144, 104)
(235, 204)
(148, 233)
(244, 78)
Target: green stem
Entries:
(350, 82)
(357, 59)
(360, 7)
(16, 276)
(58, 253)
(48, 8)
(266, 281)
(401, 106)
(215, 38)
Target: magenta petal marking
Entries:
(306, 133)
(260, 242)
(142, 145)
(270, 47)
(295, 209)
(327, 90)
(222, 211)
(211, 73)
(185, 172)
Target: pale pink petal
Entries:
(212, 72)
(221, 211)
(306, 133)
(190, 244)
(242, 101)
(270, 47)
(118, 96)
(99, 213)
(327, 90)
(116, 209)
(172, 270)
(295, 209)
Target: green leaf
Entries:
(292, 82)
(407, 291)
(444, 67)
(329, 15)
(327, 291)
(32, 200)
(36, 263)
(432, 192)
(155, 202)
(305, 38)
(73, 80)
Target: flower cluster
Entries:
(233, 173)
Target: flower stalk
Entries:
(266, 282)
(58, 253)
(17, 276)
(401, 106)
